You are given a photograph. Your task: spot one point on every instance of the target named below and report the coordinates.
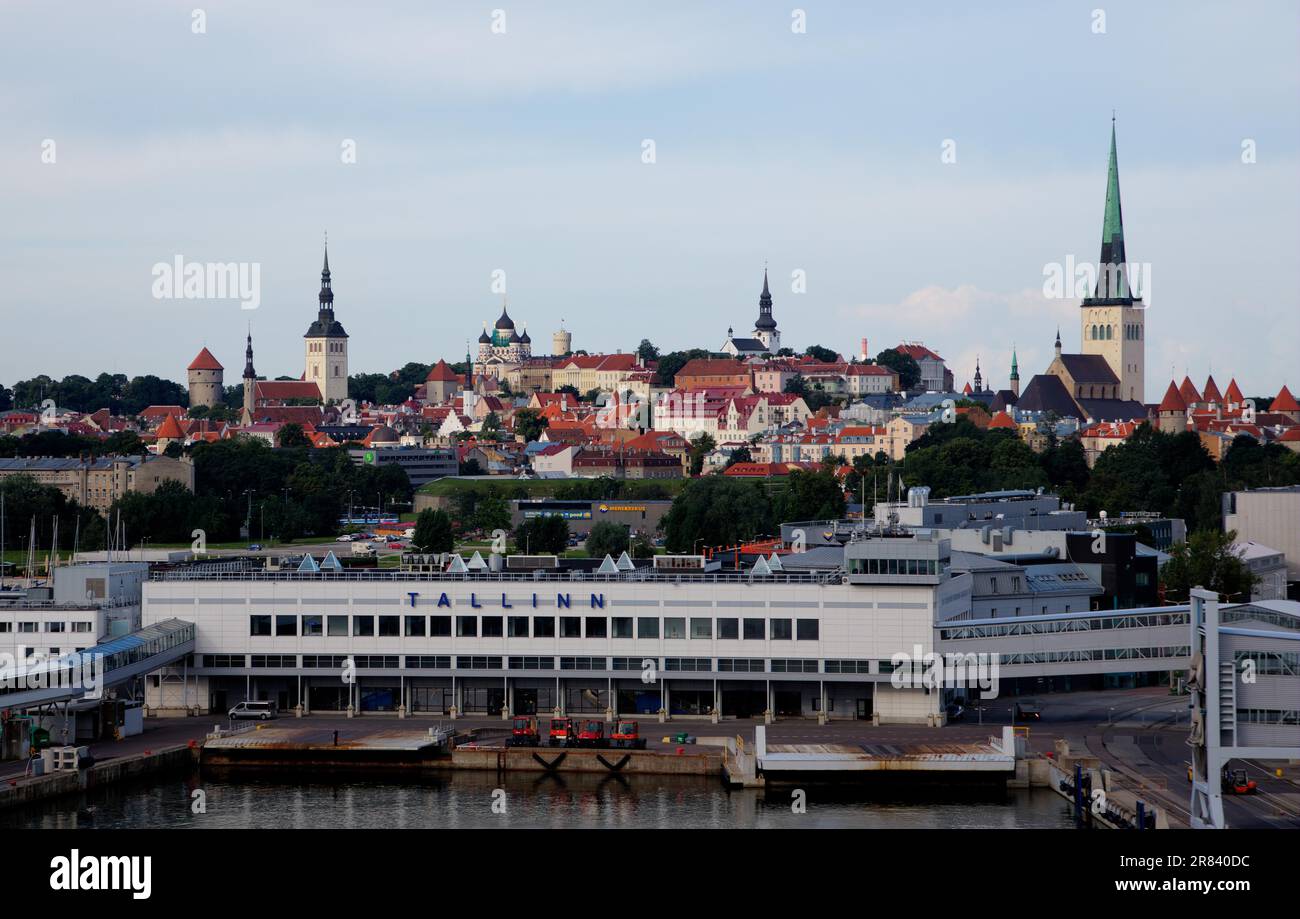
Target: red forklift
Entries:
(562, 733)
(627, 736)
(523, 733)
(592, 734)
(1236, 782)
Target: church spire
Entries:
(1112, 270)
(765, 321)
(249, 372)
(326, 291)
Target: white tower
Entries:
(327, 345)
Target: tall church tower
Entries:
(765, 328)
(327, 345)
(1113, 320)
(250, 380)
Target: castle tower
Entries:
(561, 341)
(1112, 320)
(327, 345)
(765, 327)
(250, 379)
(205, 379)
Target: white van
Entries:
(263, 711)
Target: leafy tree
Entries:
(1207, 560)
(825, 355)
(291, 435)
(908, 370)
(529, 424)
(433, 531)
(492, 513)
(797, 385)
(672, 362)
(702, 445)
(716, 511)
(739, 455)
(642, 547)
(546, 535)
(571, 390)
(470, 467)
(810, 496)
(646, 351)
(607, 538)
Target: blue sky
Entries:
(522, 151)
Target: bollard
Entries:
(768, 718)
(297, 710)
(401, 711)
(351, 711)
(453, 713)
(663, 716)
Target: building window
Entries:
(570, 626)
(363, 626)
(439, 626)
(674, 627)
(517, 626)
(701, 628)
(493, 627)
(390, 626)
(622, 626)
(415, 626)
(782, 630)
(647, 627)
(755, 629)
(336, 626)
(55, 626)
(728, 629)
(466, 627)
(76, 627)
(597, 627)
(808, 630)
(258, 626)
(313, 626)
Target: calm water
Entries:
(466, 799)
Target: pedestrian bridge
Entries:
(87, 674)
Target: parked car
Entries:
(346, 537)
(255, 547)
(379, 538)
(1026, 711)
(262, 711)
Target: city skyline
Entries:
(526, 156)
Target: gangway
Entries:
(107, 664)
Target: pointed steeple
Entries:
(979, 380)
(1112, 270)
(326, 291)
(1015, 368)
(765, 321)
(249, 372)
(1058, 341)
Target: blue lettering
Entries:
(504, 603)
(597, 601)
(413, 594)
(534, 601)
(562, 600)
(443, 601)
(473, 602)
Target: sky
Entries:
(917, 165)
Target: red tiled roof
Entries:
(1211, 392)
(205, 361)
(441, 373)
(1188, 391)
(1234, 391)
(1285, 402)
(1002, 420)
(169, 429)
(1173, 400)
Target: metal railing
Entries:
(489, 577)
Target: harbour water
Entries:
(486, 800)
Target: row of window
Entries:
(1100, 623)
(33, 627)
(894, 566)
(531, 662)
(669, 627)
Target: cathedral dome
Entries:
(505, 322)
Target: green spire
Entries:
(1112, 271)
(1015, 368)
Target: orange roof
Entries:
(1291, 435)
(1212, 391)
(1234, 391)
(1188, 392)
(1173, 400)
(1002, 420)
(169, 429)
(205, 361)
(441, 373)
(1285, 402)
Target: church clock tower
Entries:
(1113, 320)
(327, 345)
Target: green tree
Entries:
(908, 370)
(529, 424)
(646, 351)
(825, 355)
(492, 513)
(433, 531)
(1207, 560)
(716, 511)
(291, 435)
(607, 538)
(546, 535)
(702, 445)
